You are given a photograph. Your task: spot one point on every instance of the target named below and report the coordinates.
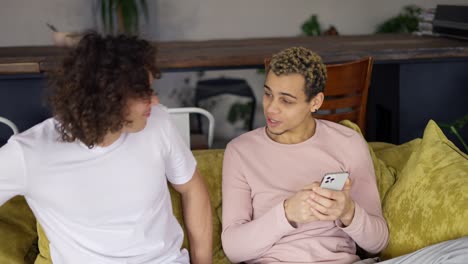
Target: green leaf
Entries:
(461, 122)
(125, 12)
(455, 132)
(125, 16)
(454, 126)
(134, 17)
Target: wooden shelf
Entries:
(249, 53)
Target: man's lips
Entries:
(272, 122)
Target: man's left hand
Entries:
(332, 205)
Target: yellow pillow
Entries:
(17, 230)
(429, 201)
(44, 251)
(210, 166)
(396, 156)
(385, 176)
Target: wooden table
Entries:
(249, 53)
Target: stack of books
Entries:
(425, 24)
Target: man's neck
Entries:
(295, 137)
(110, 138)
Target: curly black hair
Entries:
(89, 92)
(304, 62)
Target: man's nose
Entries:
(272, 107)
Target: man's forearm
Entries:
(198, 220)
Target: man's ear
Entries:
(316, 102)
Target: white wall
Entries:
(22, 22)
(212, 19)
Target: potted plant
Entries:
(405, 22)
(122, 16)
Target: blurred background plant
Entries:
(405, 22)
(122, 16)
(240, 111)
(455, 127)
(311, 27)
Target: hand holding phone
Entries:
(334, 181)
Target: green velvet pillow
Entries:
(385, 175)
(395, 156)
(17, 231)
(429, 201)
(210, 166)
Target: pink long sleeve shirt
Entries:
(259, 174)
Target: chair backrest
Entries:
(180, 116)
(10, 124)
(346, 91)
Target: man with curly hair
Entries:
(95, 175)
(274, 210)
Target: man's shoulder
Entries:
(336, 131)
(341, 137)
(38, 138)
(40, 132)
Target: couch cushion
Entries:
(44, 252)
(395, 156)
(17, 231)
(385, 175)
(429, 201)
(209, 164)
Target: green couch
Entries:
(423, 185)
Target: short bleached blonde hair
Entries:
(304, 62)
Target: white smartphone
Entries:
(334, 181)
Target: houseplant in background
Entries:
(456, 126)
(311, 27)
(405, 22)
(116, 16)
(122, 16)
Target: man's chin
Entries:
(274, 132)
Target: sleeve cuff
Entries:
(356, 223)
(186, 176)
(280, 216)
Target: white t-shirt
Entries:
(106, 204)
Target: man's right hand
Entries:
(297, 209)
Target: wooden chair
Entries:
(346, 91)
